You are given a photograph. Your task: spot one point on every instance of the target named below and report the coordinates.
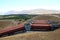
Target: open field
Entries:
(7, 23)
(38, 35)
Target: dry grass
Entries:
(6, 23)
(49, 17)
(50, 35)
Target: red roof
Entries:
(40, 25)
(7, 29)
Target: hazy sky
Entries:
(6, 5)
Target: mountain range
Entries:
(35, 11)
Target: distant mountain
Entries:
(43, 11)
(35, 11)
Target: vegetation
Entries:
(14, 19)
(24, 17)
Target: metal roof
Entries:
(41, 25)
(7, 29)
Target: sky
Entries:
(18, 5)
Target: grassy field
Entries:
(40, 35)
